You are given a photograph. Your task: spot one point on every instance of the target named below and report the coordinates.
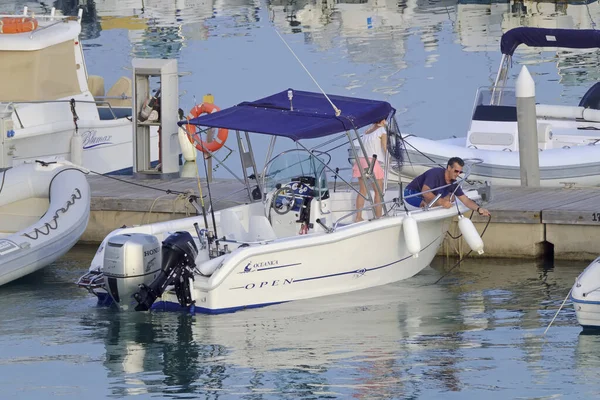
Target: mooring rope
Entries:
(338, 112)
(167, 191)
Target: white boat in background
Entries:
(44, 209)
(585, 296)
(50, 107)
(298, 241)
(568, 137)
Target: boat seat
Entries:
(260, 229)
(122, 87)
(96, 85)
(231, 227)
(591, 99)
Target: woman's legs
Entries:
(360, 199)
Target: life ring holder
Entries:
(194, 137)
(9, 25)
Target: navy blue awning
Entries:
(312, 115)
(542, 37)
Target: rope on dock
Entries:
(184, 196)
(166, 191)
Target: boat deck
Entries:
(526, 222)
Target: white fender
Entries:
(77, 149)
(187, 149)
(470, 234)
(411, 235)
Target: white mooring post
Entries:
(527, 127)
(144, 119)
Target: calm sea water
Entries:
(477, 333)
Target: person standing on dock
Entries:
(435, 178)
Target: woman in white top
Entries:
(375, 142)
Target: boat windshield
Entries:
(38, 75)
(297, 165)
(503, 96)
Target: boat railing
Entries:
(103, 102)
(58, 19)
(469, 162)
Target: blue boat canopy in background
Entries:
(543, 37)
(309, 116)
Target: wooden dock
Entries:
(563, 223)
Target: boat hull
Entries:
(34, 236)
(585, 296)
(352, 258)
(107, 145)
(578, 165)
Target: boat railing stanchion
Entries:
(432, 202)
(371, 165)
(327, 229)
(194, 202)
(201, 235)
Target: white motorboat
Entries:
(44, 209)
(585, 296)
(50, 107)
(568, 137)
(298, 241)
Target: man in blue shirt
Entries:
(435, 178)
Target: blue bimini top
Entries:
(542, 37)
(310, 115)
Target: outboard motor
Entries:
(178, 254)
(130, 260)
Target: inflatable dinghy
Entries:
(44, 209)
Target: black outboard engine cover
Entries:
(178, 254)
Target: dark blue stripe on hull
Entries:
(171, 306)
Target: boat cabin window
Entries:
(298, 166)
(46, 74)
(503, 96)
(495, 104)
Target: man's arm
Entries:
(473, 206)
(429, 196)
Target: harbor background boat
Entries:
(478, 333)
(426, 58)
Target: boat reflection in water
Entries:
(317, 341)
(408, 339)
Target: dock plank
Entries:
(123, 193)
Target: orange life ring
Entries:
(17, 24)
(195, 139)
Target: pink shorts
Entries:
(377, 170)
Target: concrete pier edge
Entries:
(527, 223)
